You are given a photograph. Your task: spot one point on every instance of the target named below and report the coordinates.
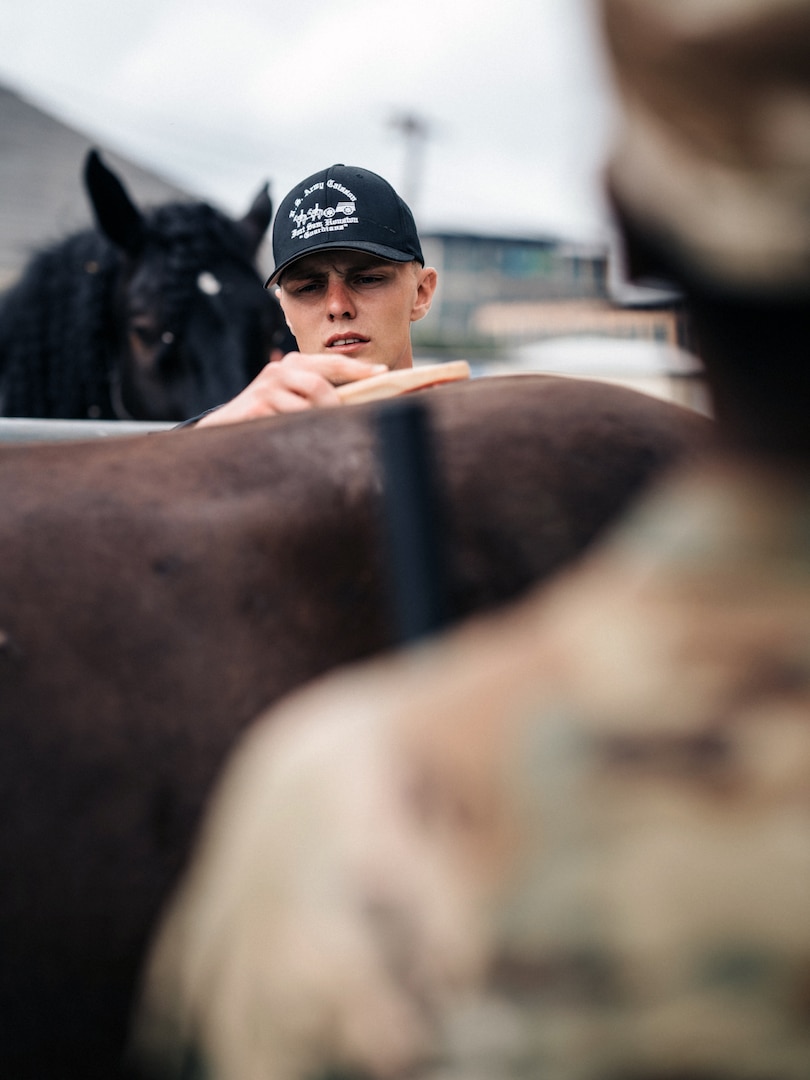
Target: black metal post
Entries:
(415, 536)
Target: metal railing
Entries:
(16, 430)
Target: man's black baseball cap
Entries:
(343, 207)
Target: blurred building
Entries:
(520, 304)
(42, 196)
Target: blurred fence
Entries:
(16, 430)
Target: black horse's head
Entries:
(193, 323)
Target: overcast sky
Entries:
(223, 94)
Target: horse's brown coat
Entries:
(157, 593)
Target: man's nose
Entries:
(340, 304)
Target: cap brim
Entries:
(382, 252)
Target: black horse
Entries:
(149, 316)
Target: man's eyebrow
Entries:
(361, 266)
(302, 274)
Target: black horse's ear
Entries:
(255, 222)
(116, 215)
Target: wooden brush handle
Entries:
(391, 383)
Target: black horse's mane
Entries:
(54, 324)
(57, 324)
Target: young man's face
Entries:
(355, 304)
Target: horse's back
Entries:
(156, 593)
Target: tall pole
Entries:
(414, 130)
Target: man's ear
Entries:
(425, 289)
(280, 298)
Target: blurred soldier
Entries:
(570, 842)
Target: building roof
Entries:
(42, 196)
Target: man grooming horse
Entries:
(351, 278)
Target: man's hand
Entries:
(299, 381)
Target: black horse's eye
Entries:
(148, 336)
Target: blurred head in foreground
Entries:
(710, 177)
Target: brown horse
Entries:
(157, 593)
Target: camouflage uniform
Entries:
(575, 845)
